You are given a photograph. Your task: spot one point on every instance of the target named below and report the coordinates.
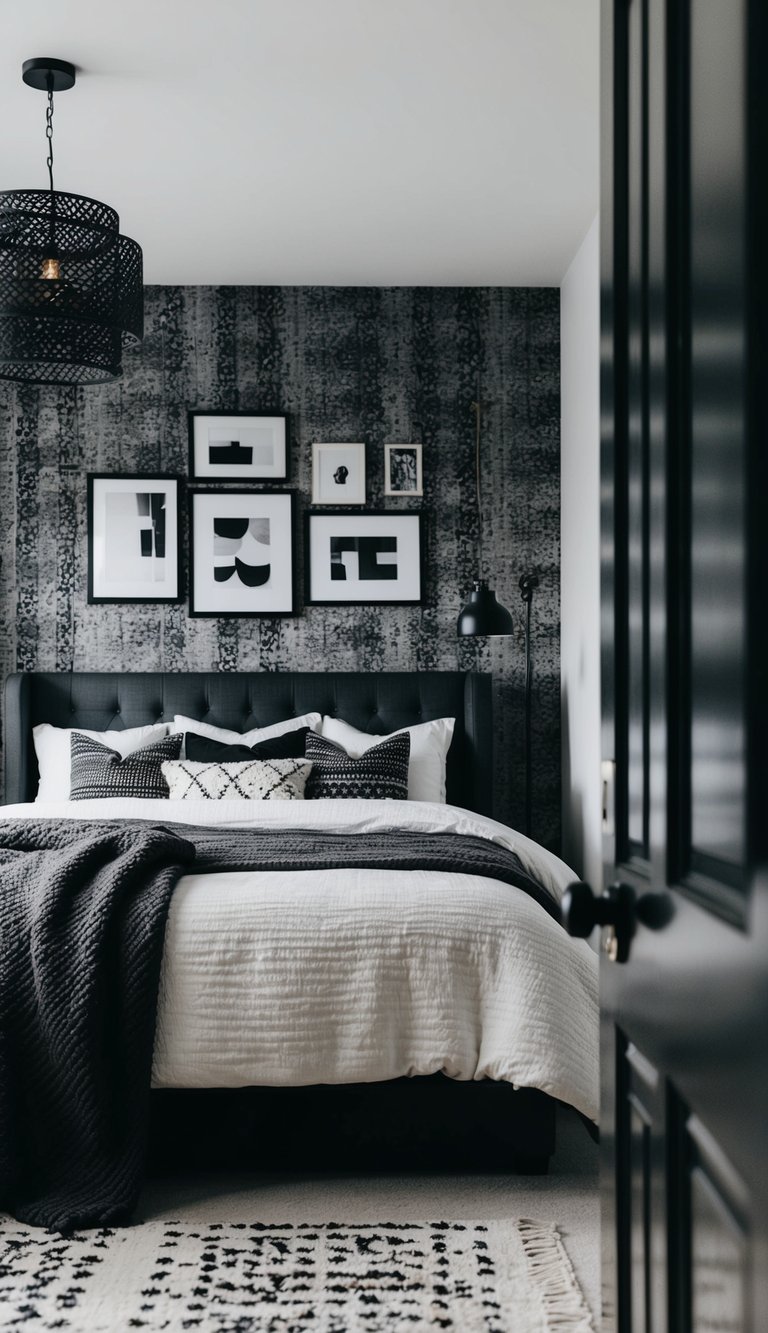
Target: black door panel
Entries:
(685, 662)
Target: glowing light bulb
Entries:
(51, 270)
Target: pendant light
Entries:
(482, 615)
(71, 287)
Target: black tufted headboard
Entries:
(374, 702)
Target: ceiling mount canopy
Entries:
(71, 287)
(44, 70)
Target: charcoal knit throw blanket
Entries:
(82, 919)
(83, 907)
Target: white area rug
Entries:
(289, 1277)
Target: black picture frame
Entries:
(252, 497)
(228, 478)
(397, 518)
(418, 489)
(95, 579)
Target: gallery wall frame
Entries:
(403, 470)
(238, 447)
(348, 558)
(338, 474)
(134, 537)
(241, 553)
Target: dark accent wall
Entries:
(372, 364)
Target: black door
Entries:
(684, 975)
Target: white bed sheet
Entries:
(287, 978)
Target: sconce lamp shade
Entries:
(483, 615)
(71, 293)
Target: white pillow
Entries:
(250, 780)
(228, 737)
(430, 742)
(52, 747)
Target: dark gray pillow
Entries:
(381, 774)
(99, 771)
(203, 750)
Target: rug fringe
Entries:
(564, 1306)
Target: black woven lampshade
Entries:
(483, 614)
(70, 328)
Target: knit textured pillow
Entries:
(252, 780)
(98, 771)
(381, 774)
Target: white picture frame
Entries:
(403, 469)
(238, 446)
(241, 553)
(338, 474)
(134, 550)
(363, 559)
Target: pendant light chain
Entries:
(49, 131)
(50, 270)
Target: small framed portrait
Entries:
(241, 553)
(360, 559)
(402, 469)
(134, 548)
(238, 446)
(338, 474)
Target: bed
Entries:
(380, 1018)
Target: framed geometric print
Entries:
(134, 549)
(360, 559)
(241, 553)
(238, 446)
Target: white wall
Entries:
(580, 558)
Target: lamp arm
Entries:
(527, 584)
(477, 409)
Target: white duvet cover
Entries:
(342, 976)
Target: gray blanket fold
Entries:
(83, 907)
(82, 919)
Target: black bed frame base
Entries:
(410, 1124)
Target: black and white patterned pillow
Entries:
(98, 771)
(381, 774)
(250, 780)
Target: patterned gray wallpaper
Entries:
(372, 364)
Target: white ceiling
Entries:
(319, 141)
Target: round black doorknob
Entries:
(579, 910)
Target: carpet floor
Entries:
(326, 1255)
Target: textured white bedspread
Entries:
(356, 976)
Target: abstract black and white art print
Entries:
(363, 558)
(241, 561)
(402, 469)
(338, 474)
(238, 446)
(133, 538)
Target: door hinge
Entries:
(608, 796)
